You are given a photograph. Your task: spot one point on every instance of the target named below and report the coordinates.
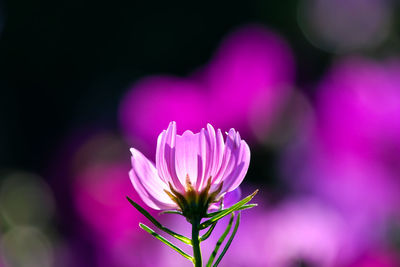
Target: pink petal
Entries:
(217, 147)
(198, 156)
(213, 158)
(205, 159)
(235, 162)
(232, 197)
(188, 157)
(147, 183)
(235, 178)
(165, 157)
(227, 163)
(160, 160)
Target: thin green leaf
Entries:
(220, 240)
(165, 241)
(244, 207)
(208, 233)
(182, 238)
(171, 212)
(229, 241)
(227, 211)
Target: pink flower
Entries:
(379, 257)
(359, 109)
(350, 158)
(192, 171)
(97, 195)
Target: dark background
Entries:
(66, 64)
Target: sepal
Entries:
(244, 207)
(238, 206)
(208, 233)
(171, 212)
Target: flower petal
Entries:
(211, 154)
(226, 159)
(188, 157)
(213, 157)
(160, 160)
(205, 160)
(241, 153)
(229, 199)
(232, 197)
(235, 162)
(165, 157)
(148, 184)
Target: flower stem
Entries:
(196, 243)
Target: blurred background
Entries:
(312, 85)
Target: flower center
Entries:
(194, 203)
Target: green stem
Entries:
(196, 243)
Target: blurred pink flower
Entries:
(359, 109)
(190, 164)
(351, 158)
(100, 192)
(359, 130)
(251, 74)
(299, 229)
(377, 258)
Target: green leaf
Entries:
(229, 241)
(165, 241)
(225, 212)
(220, 240)
(208, 233)
(182, 238)
(171, 212)
(244, 207)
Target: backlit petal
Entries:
(235, 162)
(165, 157)
(147, 183)
(233, 179)
(188, 160)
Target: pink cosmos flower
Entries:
(192, 170)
